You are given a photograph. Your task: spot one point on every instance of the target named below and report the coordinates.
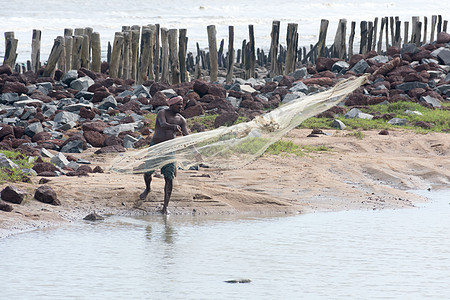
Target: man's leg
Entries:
(167, 193)
(148, 181)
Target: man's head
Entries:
(175, 103)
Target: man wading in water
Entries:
(169, 122)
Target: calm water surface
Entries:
(390, 254)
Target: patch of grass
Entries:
(15, 174)
(439, 119)
(356, 133)
(289, 147)
(206, 120)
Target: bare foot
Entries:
(165, 211)
(144, 194)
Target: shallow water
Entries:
(107, 17)
(389, 254)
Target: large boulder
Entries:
(12, 194)
(46, 194)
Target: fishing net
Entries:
(235, 146)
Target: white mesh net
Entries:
(237, 145)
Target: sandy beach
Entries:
(375, 172)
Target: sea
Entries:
(108, 17)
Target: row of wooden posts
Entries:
(157, 53)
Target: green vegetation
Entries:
(439, 119)
(15, 175)
(288, 147)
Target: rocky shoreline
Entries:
(54, 118)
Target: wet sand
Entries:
(375, 172)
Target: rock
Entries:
(7, 163)
(352, 114)
(360, 67)
(411, 85)
(225, 119)
(110, 149)
(442, 38)
(59, 160)
(93, 217)
(338, 124)
(383, 132)
(12, 194)
(65, 117)
(46, 194)
(430, 100)
(299, 73)
(108, 102)
(97, 169)
(9, 98)
(5, 69)
(397, 121)
(94, 138)
(238, 281)
(444, 56)
(44, 167)
(128, 141)
(5, 207)
(44, 181)
(75, 146)
(82, 83)
(247, 89)
(69, 76)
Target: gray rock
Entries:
(430, 100)
(7, 163)
(407, 86)
(340, 67)
(360, 67)
(409, 48)
(82, 83)
(73, 165)
(397, 121)
(128, 141)
(413, 112)
(169, 93)
(115, 130)
(75, 146)
(23, 103)
(10, 121)
(338, 124)
(365, 116)
(59, 160)
(444, 89)
(234, 101)
(29, 172)
(108, 102)
(69, 76)
(125, 94)
(380, 59)
(83, 161)
(77, 106)
(46, 153)
(444, 56)
(29, 112)
(142, 89)
(299, 87)
(66, 117)
(9, 98)
(49, 109)
(84, 95)
(45, 85)
(299, 73)
(353, 113)
(33, 129)
(235, 87)
(291, 97)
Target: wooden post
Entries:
(391, 26)
(54, 57)
(322, 37)
(363, 45)
(433, 26)
(369, 36)
(439, 24)
(96, 52)
(182, 42)
(79, 31)
(414, 21)
(76, 52)
(351, 39)
(406, 29)
(444, 27)
(251, 49)
(68, 31)
(425, 25)
(374, 34)
(220, 53)
(68, 45)
(10, 49)
(173, 56)
(156, 51)
(387, 33)
(145, 54)
(62, 58)
(135, 35)
(35, 50)
(275, 69)
(85, 52)
(291, 44)
(230, 54)
(397, 42)
(380, 37)
(127, 54)
(339, 46)
(212, 52)
(115, 55)
(165, 55)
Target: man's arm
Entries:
(183, 126)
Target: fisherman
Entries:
(169, 123)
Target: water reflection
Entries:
(357, 254)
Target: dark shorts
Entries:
(168, 171)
